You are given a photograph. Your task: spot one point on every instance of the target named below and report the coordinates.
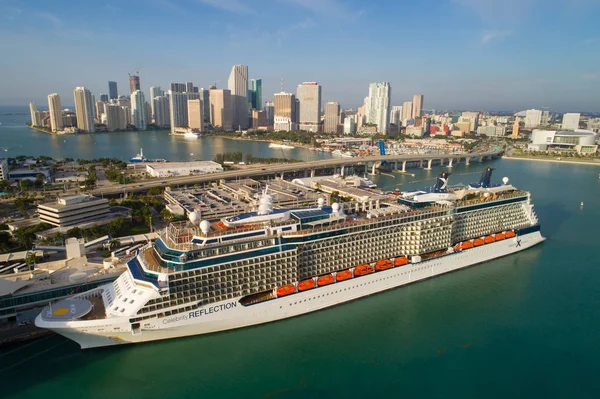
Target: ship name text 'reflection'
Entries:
(212, 309)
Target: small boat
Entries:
(467, 245)
(191, 135)
(286, 290)
(275, 145)
(361, 270)
(489, 239)
(306, 285)
(383, 264)
(345, 275)
(191, 153)
(478, 242)
(139, 157)
(510, 234)
(500, 236)
(401, 261)
(325, 280)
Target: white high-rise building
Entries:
(378, 106)
(238, 86)
(161, 111)
(178, 109)
(84, 109)
(155, 91)
(570, 121)
(56, 119)
(396, 115)
(308, 95)
(349, 125)
(406, 110)
(533, 118)
(34, 114)
(138, 110)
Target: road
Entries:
(275, 169)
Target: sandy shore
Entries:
(592, 163)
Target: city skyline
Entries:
(499, 63)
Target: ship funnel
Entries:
(486, 177)
(441, 184)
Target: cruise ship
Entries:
(204, 276)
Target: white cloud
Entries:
(495, 35)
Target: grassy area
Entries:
(134, 229)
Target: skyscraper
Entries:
(308, 95)
(238, 86)
(178, 110)
(56, 119)
(269, 109)
(113, 93)
(195, 115)
(205, 97)
(284, 112)
(570, 121)
(104, 98)
(221, 109)
(138, 110)
(134, 83)
(161, 111)
(189, 87)
(378, 106)
(155, 91)
(34, 115)
(407, 110)
(396, 115)
(84, 109)
(256, 94)
(417, 105)
(472, 117)
(113, 117)
(533, 118)
(99, 109)
(332, 117)
(178, 87)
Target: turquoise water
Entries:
(523, 326)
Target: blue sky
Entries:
(461, 54)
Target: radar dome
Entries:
(205, 226)
(321, 201)
(335, 207)
(193, 216)
(505, 180)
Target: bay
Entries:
(521, 326)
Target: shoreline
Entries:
(590, 163)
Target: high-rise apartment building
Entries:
(255, 96)
(195, 115)
(138, 110)
(570, 121)
(378, 106)
(332, 117)
(545, 117)
(99, 110)
(178, 87)
(84, 108)
(473, 118)
(155, 91)
(178, 109)
(221, 109)
(284, 112)
(104, 98)
(533, 118)
(349, 125)
(396, 114)
(269, 109)
(308, 95)
(34, 115)
(113, 118)
(55, 109)
(407, 110)
(189, 87)
(259, 119)
(161, 111)
(205, 97)
(134, 83)
(113, 93)
(417, 105)
(238, 87)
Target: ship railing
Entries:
(492, 198)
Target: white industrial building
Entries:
(582, 141)
(73, 210)
(183, 168)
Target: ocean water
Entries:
(523, 326)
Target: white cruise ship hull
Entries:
(230, 314)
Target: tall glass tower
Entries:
(255, 96)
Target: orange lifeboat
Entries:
(478, 242)
(345, 275)
(400, 261)
(383, 264)
(324, 280)
(467, 245)
(500, 236)
(285, 290)
(489, 239)
(457, 247)
(361, 270)
(306, 285)
(510, 234)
